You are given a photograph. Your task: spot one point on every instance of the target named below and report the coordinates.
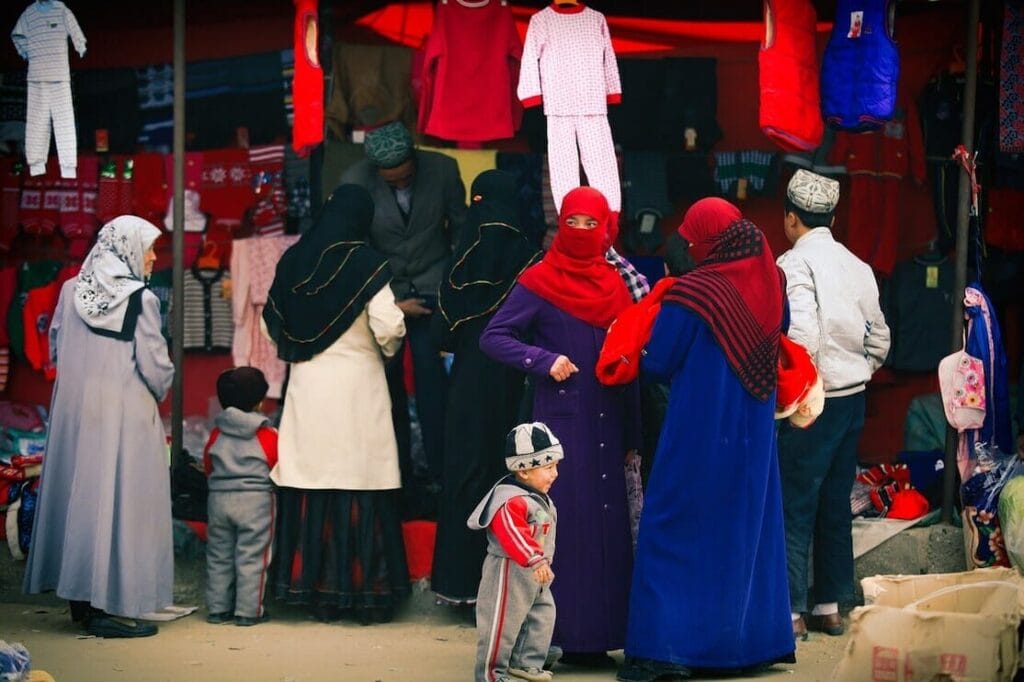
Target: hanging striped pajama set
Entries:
(41, 36)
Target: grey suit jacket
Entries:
(418, 251)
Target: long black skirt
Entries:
(483, 401)
(341, 551)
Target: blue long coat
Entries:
(709, 586)
(596, 425)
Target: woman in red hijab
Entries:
(710, 591)
(552, 325)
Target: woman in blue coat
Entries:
(709, 585)
(552, 325)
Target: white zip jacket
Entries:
(834, 311)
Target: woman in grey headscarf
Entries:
(102, 533)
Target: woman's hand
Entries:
(631, 456)
(562, 368)
(543, 574)
(413, 307)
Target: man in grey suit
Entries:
(420, 205)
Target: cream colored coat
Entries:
(336, 431)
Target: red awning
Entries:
(409, 23)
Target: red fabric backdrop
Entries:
(926, 39)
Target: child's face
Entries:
(540, 478)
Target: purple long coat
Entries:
(596, 425)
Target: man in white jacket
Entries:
(834, 313)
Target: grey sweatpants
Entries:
(239, 542)
(515, 618)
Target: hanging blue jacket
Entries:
(861, 66)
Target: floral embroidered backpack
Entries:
(962, 386)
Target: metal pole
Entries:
(962, 225)
(178, 237)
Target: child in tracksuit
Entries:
(239, 455)
(515, 613)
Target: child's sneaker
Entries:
(554, 653)
(533, 674)
(220, 618)
(246, 621)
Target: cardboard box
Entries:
(900, 590)
(956, 626)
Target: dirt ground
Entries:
(425, 642)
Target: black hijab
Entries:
(324, 280)
(492, 252)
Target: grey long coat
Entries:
(102, 531)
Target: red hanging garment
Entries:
(308, 84)
(470, 72)
(877, 162)
(788, 73)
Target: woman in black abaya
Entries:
(484, 395)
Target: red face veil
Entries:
(578, 243)
(574, 275)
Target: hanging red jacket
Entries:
(470, 73)
(308, 84)
(1003, 225)
(788, 73)
(877, 162)
(37, 314)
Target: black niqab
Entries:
(493, 251)
(324, 280)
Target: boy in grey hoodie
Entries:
(515, 613)
(239, 455)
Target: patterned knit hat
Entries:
(812, 192)
(529, 446)
(389, 146)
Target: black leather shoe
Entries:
(246, 621)
(220, 618)
(554, 654)
(832, 624)
(587, 659)
(646, 670)
(113, 627)
(80, 611)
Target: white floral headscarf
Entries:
(113, 271)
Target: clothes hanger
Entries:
(933, 256)
(209, 259)
(474, 4)
(957, 65)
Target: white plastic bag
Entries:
(14, 662)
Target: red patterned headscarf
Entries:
(736, 289)
(574, 275)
